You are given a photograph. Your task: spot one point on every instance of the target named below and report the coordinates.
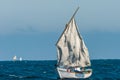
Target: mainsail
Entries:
(14, 58)
(20, 58)
(71, 48)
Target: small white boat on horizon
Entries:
(20, 59)
(14, 58)
(17, 59)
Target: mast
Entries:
(68, 23)
(74, 15)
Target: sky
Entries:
(30, 28)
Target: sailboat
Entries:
(72, 52)
(20, 58)
(14, 58)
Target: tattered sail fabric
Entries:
(71, 48)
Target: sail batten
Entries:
(71, 47)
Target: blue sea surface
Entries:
(45, 70)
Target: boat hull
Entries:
(63, 73)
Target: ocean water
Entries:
(45, 70)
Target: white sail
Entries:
(71, 48)
(20, 59)
(14, 58)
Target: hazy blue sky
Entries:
(30, 28)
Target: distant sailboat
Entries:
(14, 58)
(20, 59)
(73, 56)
